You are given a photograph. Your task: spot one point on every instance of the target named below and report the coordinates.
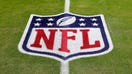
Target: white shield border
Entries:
(52, 57)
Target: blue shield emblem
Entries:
(66, 36)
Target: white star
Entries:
(50, 24)
(82, 24)
(81, 19)
(38, 19)
(50, 19)
(95, 24)
(37, 24)
(94, 19)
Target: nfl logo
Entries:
(66, 36)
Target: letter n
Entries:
(49, 42)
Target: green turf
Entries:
(14, 15)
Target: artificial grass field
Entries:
(14, 15)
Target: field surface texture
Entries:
(14, 15)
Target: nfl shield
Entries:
(66, 36)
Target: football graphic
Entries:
(65, 21)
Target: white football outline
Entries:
(65, 21)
